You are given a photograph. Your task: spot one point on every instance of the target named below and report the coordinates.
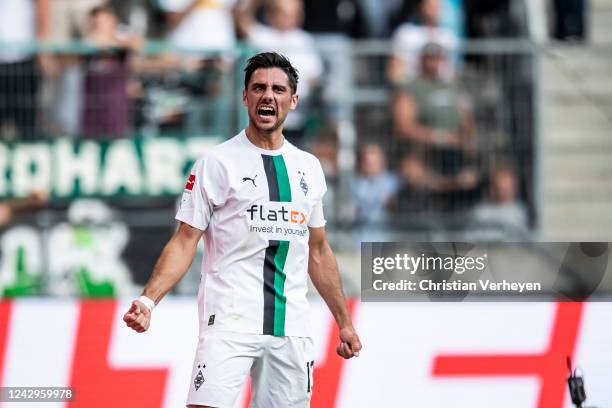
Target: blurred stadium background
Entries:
(449, 120)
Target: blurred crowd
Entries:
(86, 68)
(97, 69)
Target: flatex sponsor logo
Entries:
(277, 220)
(261, 213)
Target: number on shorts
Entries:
(309, 370)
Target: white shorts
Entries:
(281, 370)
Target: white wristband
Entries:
(149, 303)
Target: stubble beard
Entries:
(277, 125)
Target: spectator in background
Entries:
(70, 19)
(452, 14)
(373, 188)
(107, 108)
(284, 35)
(502, 208)
(22, 23)
(200, 24)
(69, 22)
(411, 37)
(431, 116)
(204, 28)
(416, 188)
(423, 189)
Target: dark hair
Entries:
(271, 60)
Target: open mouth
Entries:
(266, 111)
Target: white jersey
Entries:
(255, 207)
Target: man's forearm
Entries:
(171, 266)
(323, 271)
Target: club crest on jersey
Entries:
(303, 184)
(199, 380)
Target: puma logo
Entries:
(252, 180)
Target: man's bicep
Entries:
(187, 234)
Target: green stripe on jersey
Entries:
(280, 300)
(282, 177)
(275, 301)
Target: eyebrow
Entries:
(254, 84)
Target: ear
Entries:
(244, 98)
(294, 101)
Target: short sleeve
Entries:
(317, 217)
(200, 194)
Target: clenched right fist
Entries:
(138, 317)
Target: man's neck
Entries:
(264, 140)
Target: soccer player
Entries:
(256, 199)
